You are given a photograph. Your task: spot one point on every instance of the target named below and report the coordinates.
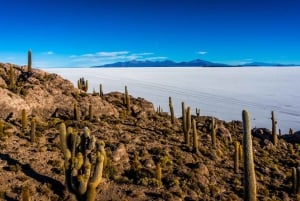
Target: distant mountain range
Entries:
(193, 63)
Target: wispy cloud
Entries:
(202, 52)
(48, 53)
(100, 58)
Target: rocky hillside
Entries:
(147, 157)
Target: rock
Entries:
(149, 163)
(120, 154)
(224, 133)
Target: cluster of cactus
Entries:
(186, 122)
(126, 99)
(249, 171)
(101, 90)
(29, 61)
(83, 173)
(296, 180)
(159, 110)
(274, 134)
(214, 128)
(171, 110)
(83, 84)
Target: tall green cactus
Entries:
(274, 134)
(195, 138)
(24, 120)
(198, 112)
(12, 78)
(186, 123)
(76, 112)
(25, 194)
(1, 128)
(82, 177)
(249, 171)
(91, 112)
(236, 156)
(29, 61)
(171, 110)
(159, 174)
(126, 99)
(214, 133)
(101, 91)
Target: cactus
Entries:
(186, 122)
(291, 131)
(101, 91)
(12, 81)
(29, 61)
(159, 174)
(126, 99)
(198, 112)
(24, 120)
(171, 110)
(91, 112)
(294, 179)
(249, 172)
(76, 112)
(33, 129)
(83, 84)
(195, 138)
(274, 134)
(213, 133)
(25, 194)
(236, 156)
(1, 128)
(82, 177)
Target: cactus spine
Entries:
(195, 137)
(274, 134)
(101, 91)
(213, 133)
(236, 156)
(24, 120)
(171, 110)
(81, 176)
(249, 172)
(33, 129)
(186, 122)
(29, 61)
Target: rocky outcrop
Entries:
(41, 94)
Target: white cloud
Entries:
(202, 52)
(48, 53)
(156, 58)
(99, 58)
(112, 54)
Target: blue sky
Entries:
(93, 32)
